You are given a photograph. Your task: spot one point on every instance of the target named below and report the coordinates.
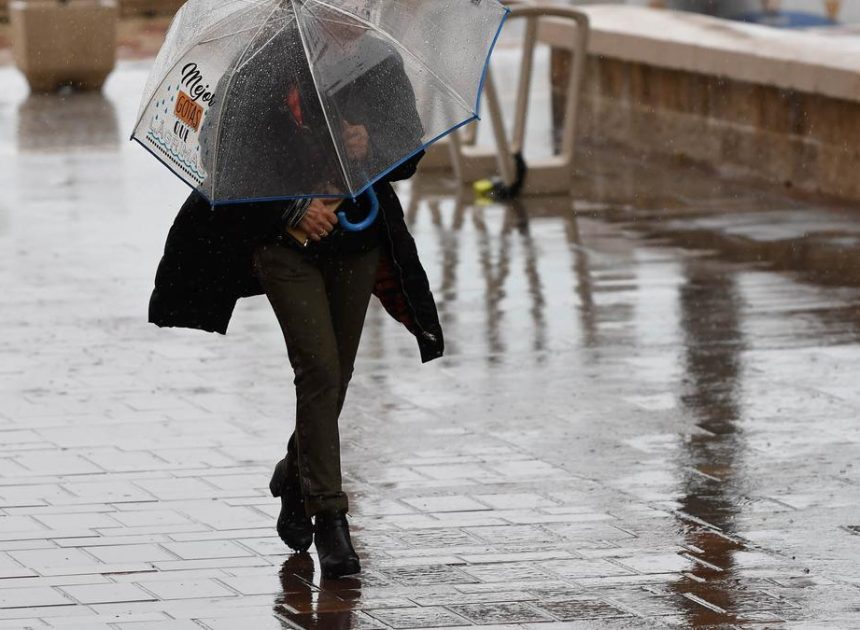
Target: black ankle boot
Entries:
(294, 527)
(334, 546)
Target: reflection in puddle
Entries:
(325, 604)
(62, 141)
(486, 251)
(712, 459)
(67, 122)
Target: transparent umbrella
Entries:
(254, 100)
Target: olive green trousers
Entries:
(320, 303)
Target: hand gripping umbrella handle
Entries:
(371, 216)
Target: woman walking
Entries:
(319, 288)
(320, 297)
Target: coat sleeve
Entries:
(400, 96)
(207, 262)
(396, 94)
(385, 89)
(195, 284)
(406, 169)
(259, 221)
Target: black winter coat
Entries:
(208, 265)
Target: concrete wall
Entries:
(803, 140)
(850, 8)
(733, 96)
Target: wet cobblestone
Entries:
(646, 417)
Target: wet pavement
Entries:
(646, 417)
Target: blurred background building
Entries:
(797, 13)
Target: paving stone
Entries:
(101, 492)
(211, 563)
(155, 518)
(263, 622)
(17, 524)
(452, 503)
(254, 584)
(54, 559)
(427, 574)
(177, 489)
(115, 554)
(185, 589)
(515, 533)
(54, 463)
(574, 568)
(446, 599)
(175, 624)
(428, 617)
(92, 520)
(499, 612)
(513, 557)
(106, 593)
(206, 549)
(654, 563)
(435, 537)
(31, 597)
(576, 609)
(506, 571)
(522, 500)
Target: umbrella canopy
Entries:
(254, 100)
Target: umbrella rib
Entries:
(268, 41)
(225, 35)
(451, 91)
(224, 99)
(319, 96)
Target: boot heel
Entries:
(293, 526)
(277, 480)
(334, 546)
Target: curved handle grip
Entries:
(371, 216)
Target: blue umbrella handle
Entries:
(371, 216)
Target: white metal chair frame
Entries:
(561, 28)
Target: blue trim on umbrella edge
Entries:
(487, 62)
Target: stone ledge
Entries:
(806, 62)
(745, 99)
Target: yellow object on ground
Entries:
(483, 187)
